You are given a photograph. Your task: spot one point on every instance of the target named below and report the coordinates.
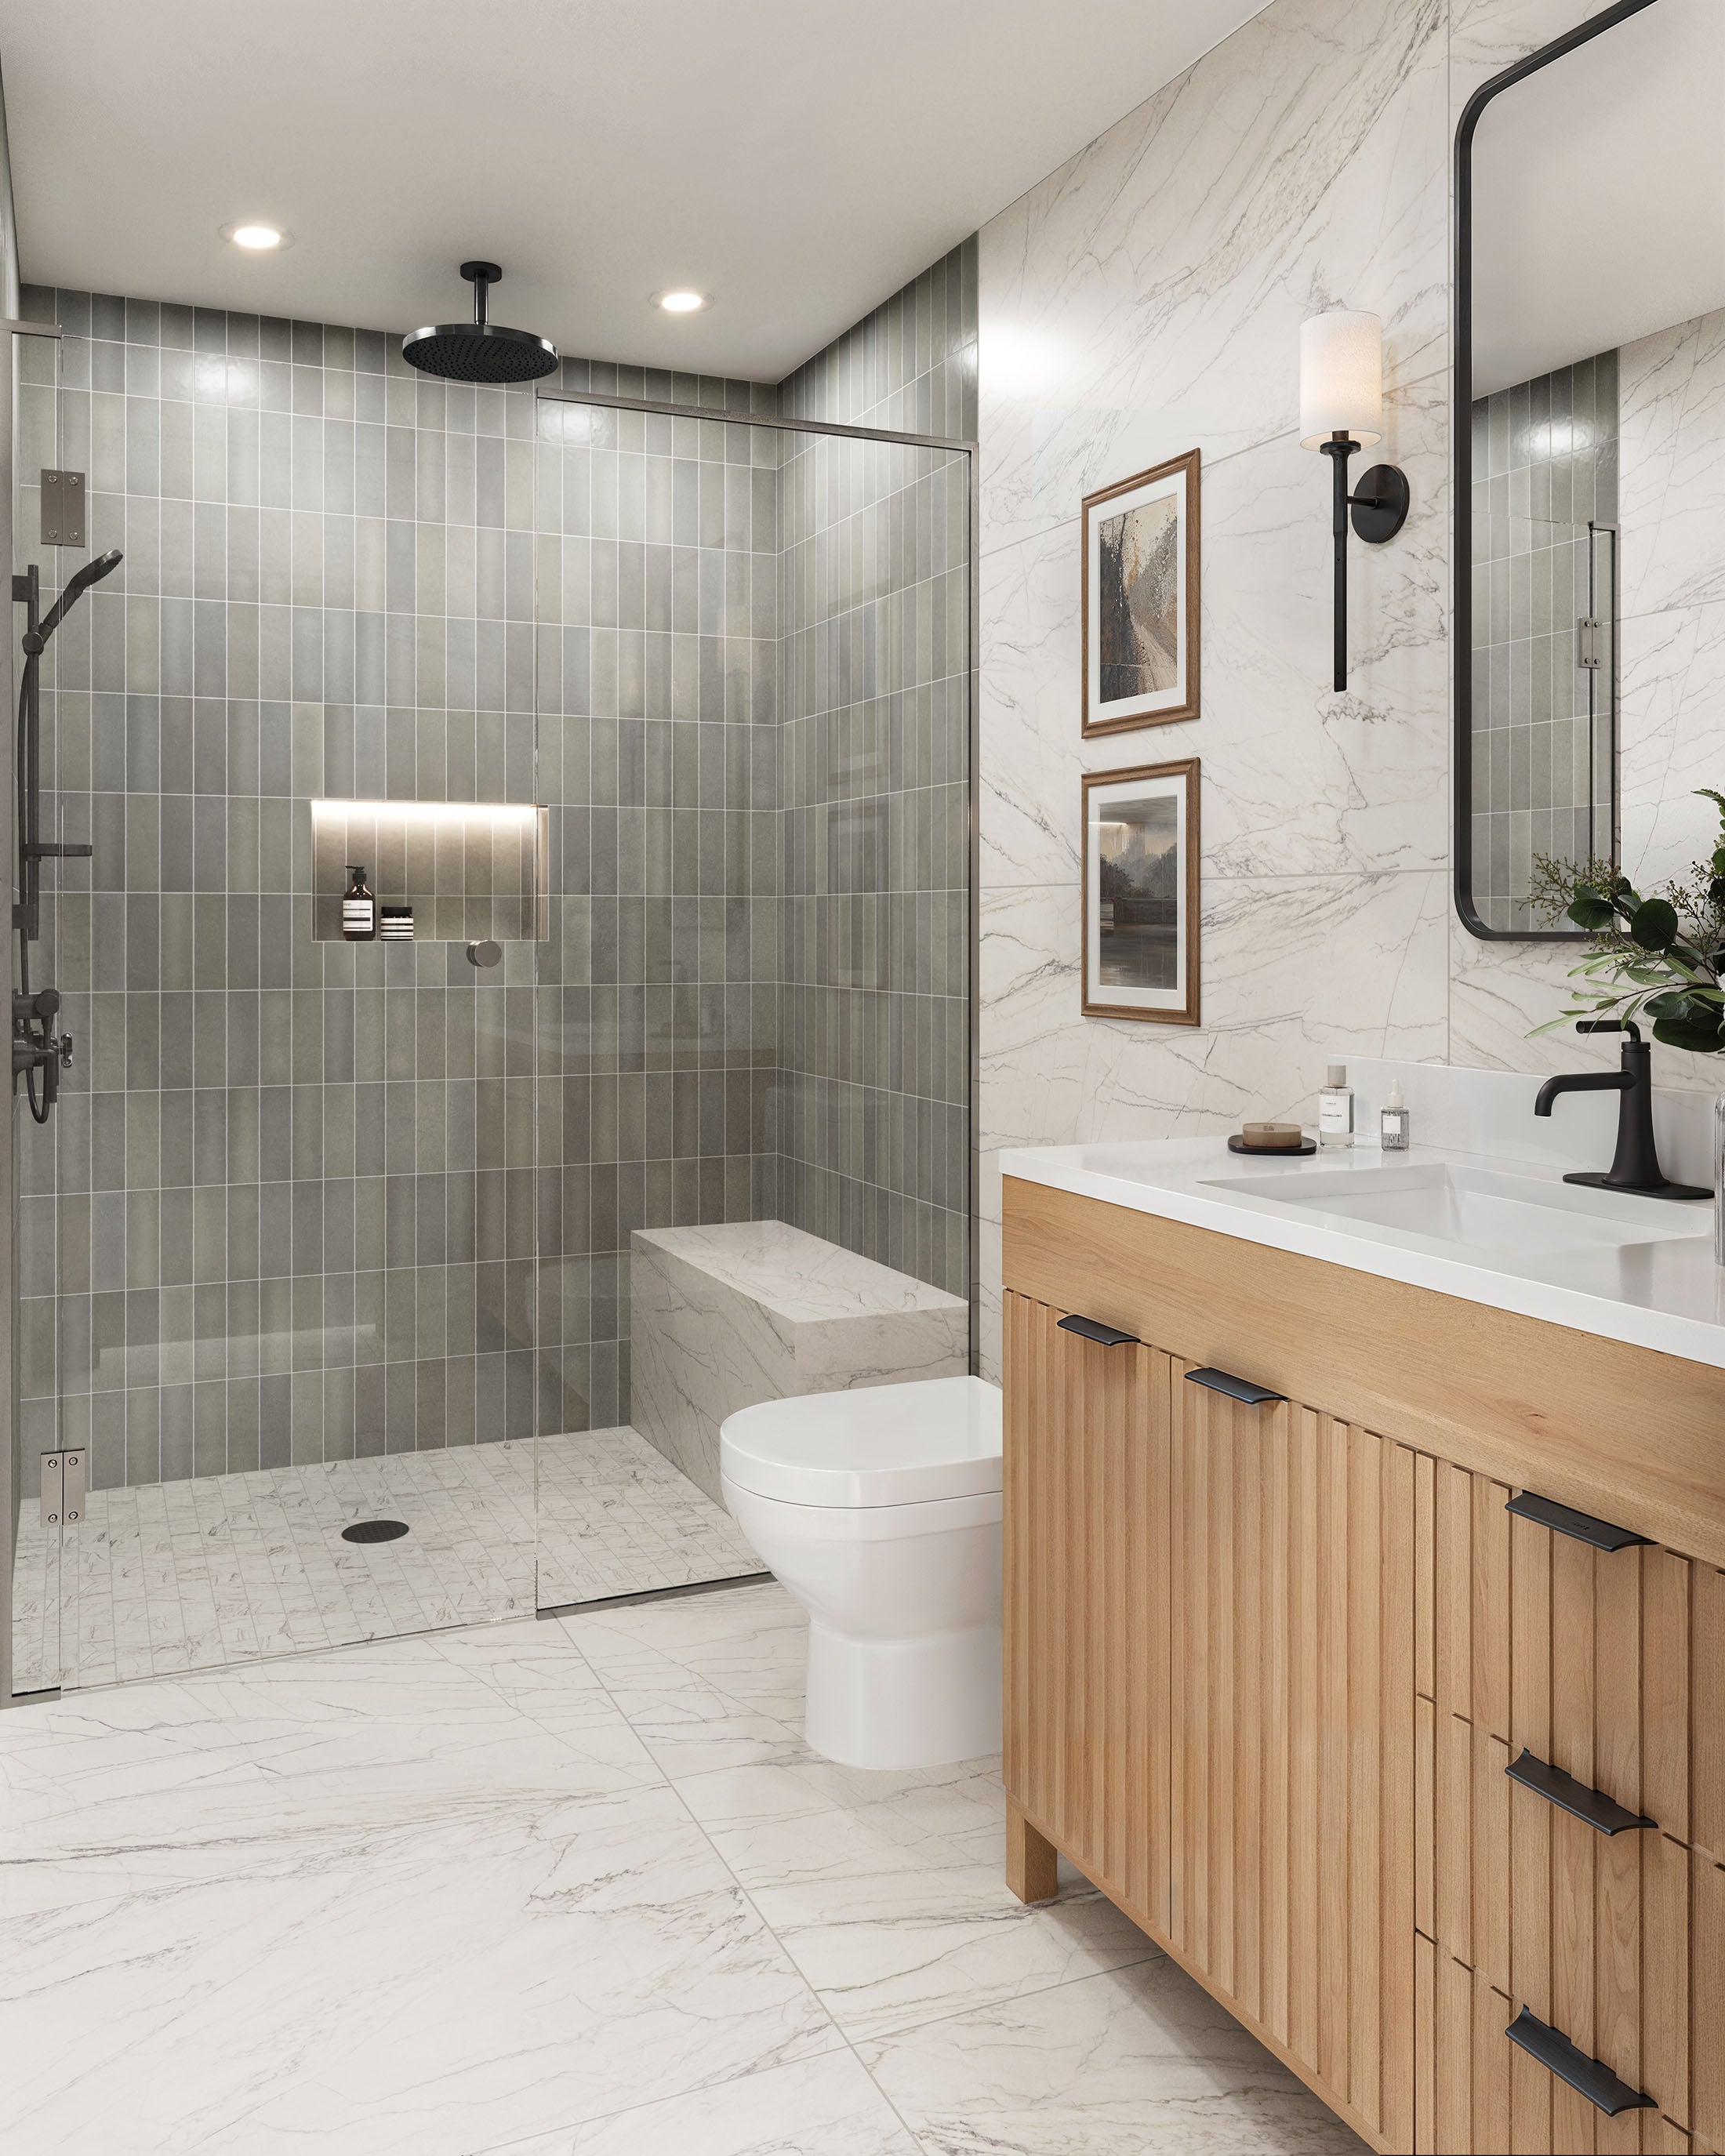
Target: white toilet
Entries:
(880, 1510)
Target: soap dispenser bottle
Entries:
(1392, 1120)
(359, 908)
(1335, 1110)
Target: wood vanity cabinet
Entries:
(1267, 1667)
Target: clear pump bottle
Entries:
(1392, 1120)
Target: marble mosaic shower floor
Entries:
(570, 1889)
(229, 1568)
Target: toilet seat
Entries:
(930, 1440)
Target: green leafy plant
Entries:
(1657, 954)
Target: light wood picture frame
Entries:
(1141, 893)
(1140, 582)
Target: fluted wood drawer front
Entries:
(1496, 1591)
(1479, 2093)
(1531, 1643)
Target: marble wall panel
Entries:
(1296, 780)
(1146, 297)
(1148, 294)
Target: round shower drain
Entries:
(375, 1531)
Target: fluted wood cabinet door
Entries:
(1087, 1571)
(1210, 1689)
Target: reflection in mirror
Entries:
(1591, 416)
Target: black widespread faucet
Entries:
(1635, 1164)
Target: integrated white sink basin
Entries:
(1482, 1209)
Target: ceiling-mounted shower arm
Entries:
(481, 276)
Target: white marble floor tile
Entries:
(440, 1897)
(1136, 2060)
(389, 1989)
(822, 2107)
(711, 1682)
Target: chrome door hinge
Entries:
(62, 1488)
(1592, 641)
(63, 509)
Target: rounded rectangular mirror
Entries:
(1589, 462)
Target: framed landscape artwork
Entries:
(1141, 893)
(1141, 599)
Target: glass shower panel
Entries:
(292, 1198)
(1544, 705)
(753, 677)
(44, 1576)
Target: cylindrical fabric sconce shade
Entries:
(1341, 378)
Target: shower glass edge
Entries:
(754, 673)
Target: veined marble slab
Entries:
(756, 1310)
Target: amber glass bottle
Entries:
(359, 908)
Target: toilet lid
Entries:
(880, 1444)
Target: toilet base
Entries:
(902, 1703)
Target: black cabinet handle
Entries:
(1569, 1795)
(1582, 1526)
(1237, 1389)
(1596, 2083)
(1105, 1336)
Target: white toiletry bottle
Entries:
(1335, 1110)
(1392, 1120)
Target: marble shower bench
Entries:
(756, 1310)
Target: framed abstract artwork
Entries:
(1141, 578)
(1141, 893)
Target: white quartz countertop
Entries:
(1663, 1291)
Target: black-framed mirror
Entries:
(1588, 466)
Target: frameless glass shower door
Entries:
(754, 683)
(288, 1189)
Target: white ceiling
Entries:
(800, 160)
(1600, 196)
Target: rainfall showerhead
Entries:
(92, 573)
(480, 351)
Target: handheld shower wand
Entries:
(35, 1045)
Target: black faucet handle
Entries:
(1610, 1025)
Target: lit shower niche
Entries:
(471, 870)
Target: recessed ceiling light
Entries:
(681, 302)
(257, 239)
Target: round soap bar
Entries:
(1270, 1137)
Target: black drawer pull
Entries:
(1582, 1526)
(1567, 1795)
(1105, 1336)
(1237, 1389)
(1597, 2083)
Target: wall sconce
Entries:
(1342, 410)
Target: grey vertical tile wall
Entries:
(910, 365)
(304, 1201)
(873, 1107)
(289, 1200)
(1545, 471)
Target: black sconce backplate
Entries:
(1380, 508)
